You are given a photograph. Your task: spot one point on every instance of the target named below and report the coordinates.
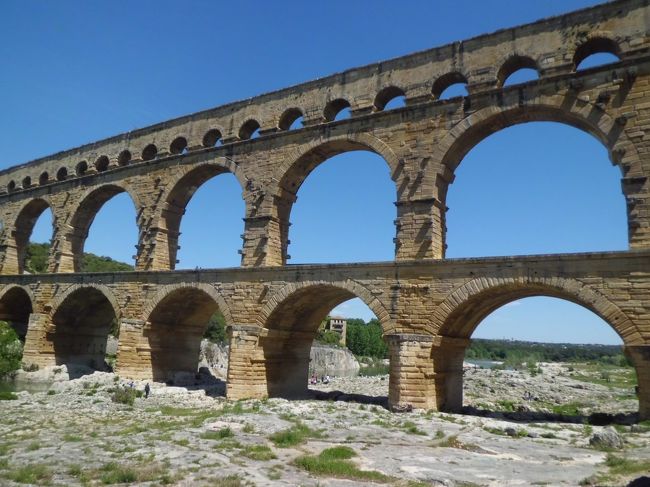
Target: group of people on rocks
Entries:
(325, 379)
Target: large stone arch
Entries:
(81, 318)
(19, 232)
(348, 288)
(16, 305)
(288, 325)
(165, 291)
(463, 309)
(82, 217)
(175, 323)
(177, 194)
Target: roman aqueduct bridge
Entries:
(428, 305)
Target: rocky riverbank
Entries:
(74, 434)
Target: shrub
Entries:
(7, 396)
(11, 350)
(125, 395)
(335, 462)
(293, 436)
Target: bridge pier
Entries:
(133, 352)
(640, 356)
(448, 354)
(411, 371)
(246, 363)
(39, 345)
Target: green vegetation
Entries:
(514, 352)
(365, 339)
(335, 462)
(258, 452)
(36, 261)
(297, 434)
(8, 396)
(125, 395)
(217, 435)
(216, 331)
(372, 366)
(328, 337)
(11, 350)
(36, 474)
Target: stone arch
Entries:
(206, 288)
(347, 289)
(289, 116)
(22, 231)
(289, 322)
(386, 95)
(16, 304)
(463, 309)
(596, 42)
(84, 214)
(82, 317)
(212, 136)
(445, 81)
(512, 64)
(178, 193)
(588, 117)
(175, 323)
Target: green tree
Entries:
(11, 350)
(216, 331)
(365, 339)
(37, 254)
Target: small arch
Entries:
(27, 182)
(24, 226)
(101, 164)
(44, 178)
(178, 145)
(334, 108)
(594, 46)
(212, 138)
(449, 86)
(249, 130)
(81, 168)
(515, 64)
(124, 158)
(62, 174)
(390, 94)
(289, 118)
(11, 186)
(149, 152)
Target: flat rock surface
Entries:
(76, 435)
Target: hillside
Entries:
(36, 261)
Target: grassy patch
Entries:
(335, 462)
(411, 428)
(217, 435)
(258, 452)
(624, 466)
(568, 409)
(8, 396)
(31, 474)
(114, 473)
(297, 434)
(72, 438)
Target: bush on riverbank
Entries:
(11, 350)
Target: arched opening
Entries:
(81, 168)
(292, 327)
(27, 182)
(533, 350)
(44, 178)
(82, 323)
(517, 69)
(62, 174)
(212, 138)
(596, 52)
(345, 208)
(338, 109)
(178, 145)
(389, 98)
(534, 188)
(101, 164)
(106, 211)
(450, 85)
(149, 152)
(190, 211)
(250, 130)
(175, 329)
(124, 158)
(11, 186)
(15, 308)
(291, 119)
(32, 237)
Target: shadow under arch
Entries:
(16, 304)
(291, 323)
(23, 228)
(85, 213)
(464, 309)
(178, 194)
(82, 318)
(290, 176)
(176, 321)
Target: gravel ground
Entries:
(76, 435)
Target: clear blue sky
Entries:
(75, 72)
